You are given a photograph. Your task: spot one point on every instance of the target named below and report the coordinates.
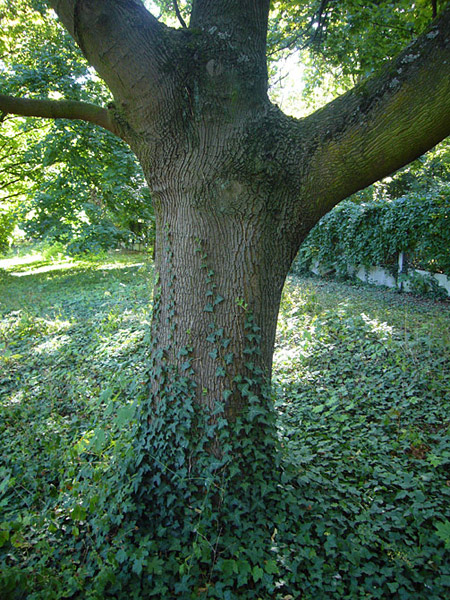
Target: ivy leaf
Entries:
(137, 565)
(226, 394)
(78, 513)
(121, 556)
(98, 440)
(124, 415)
(228, 567)
(443, 532)
(271, 567)
(155, 565)
(229, 358)
(254, 411)
(257, 573)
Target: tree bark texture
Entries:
(236, 184)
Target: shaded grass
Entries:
(363, 394)
(66, 336)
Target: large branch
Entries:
(383, 123)
(127, 46)
(242, 22)
(58, 109)
(70, 12)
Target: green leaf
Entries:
(121, 556)
(155, 565)
(98, 439)
(271, 567)
(443, 532)
(228, 358)
(124, 415)
(137, 565)
(218, 299)
(226, 394)
(4, 536)
(228, 567)
(78, 513)
(257, 573)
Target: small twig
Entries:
(179, 17)
(434, 8)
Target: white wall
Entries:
(380, 276)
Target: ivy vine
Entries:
(374, 233)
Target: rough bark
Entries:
(221, 274)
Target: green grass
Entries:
(362, 384)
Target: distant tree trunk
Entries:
(434, 8)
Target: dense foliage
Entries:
(374, 233)
(360, 503)
(63, 181)
(342, 41)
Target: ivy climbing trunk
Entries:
(220, 271)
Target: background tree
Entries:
(104, 201)
(236, 186)
(343, 42)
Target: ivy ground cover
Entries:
(362, 392)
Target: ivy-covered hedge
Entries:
(374, 233)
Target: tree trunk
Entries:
(220, 277)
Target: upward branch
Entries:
(127, 46)
(383, 123)
(58, 109)
(243, 21)
(178, 13)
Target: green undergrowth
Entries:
(363, 385)
(355, 505)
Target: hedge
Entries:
(374, 233)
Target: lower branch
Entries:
(58, 109)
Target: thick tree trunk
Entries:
(220, 277)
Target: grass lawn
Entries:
(362, 391)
